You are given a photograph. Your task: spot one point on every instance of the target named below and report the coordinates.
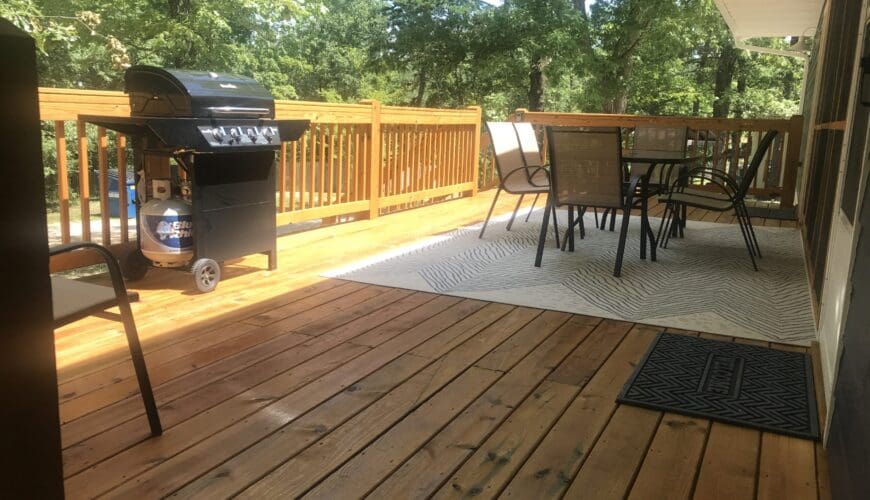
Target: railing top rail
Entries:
(603, 119)
(68, 104)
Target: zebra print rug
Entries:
(703, 282)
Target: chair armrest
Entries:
(108, 258)
(714, 176)
(529, 171)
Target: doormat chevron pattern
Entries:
(703, 282)
(740, 384)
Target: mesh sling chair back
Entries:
(586, 172)
(73, 300)
(515, 176)
(668, 139)
(726, 194)
(531, 154)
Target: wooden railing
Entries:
(357, 160)
(724, 143)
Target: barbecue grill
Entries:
(204, 153)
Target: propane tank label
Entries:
(174, 231)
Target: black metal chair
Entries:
(723, 194)
(73, 300)
(586, 172)
(515, 176)
(654, 139)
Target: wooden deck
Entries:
(282, 384)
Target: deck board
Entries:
(285, 383)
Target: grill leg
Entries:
(273, 257)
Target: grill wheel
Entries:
(206, 274)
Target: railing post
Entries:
(62, 181)
(103, 166)
(84, 181)
(792, 161)
(475, 150)
(375, 159)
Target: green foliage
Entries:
(636, 56)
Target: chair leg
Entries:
(533, 207)
(751, 229)
(516, 209)
(542, 239)
(603, 225)
(643, 238)
(141, 369)
(669, 226)
(613, 220)
(582, 212)
(555, 225)
(662, 223)
(595, 211)
(743, 228)
(571, 223)
(747, 240)
(489, 214)
(683, 215)
(652, 243)
(623, 232)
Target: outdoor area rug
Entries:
(740, 384)
(703, 282)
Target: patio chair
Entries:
(533, 157)
(74, 299)
(515, 176)
(726, 194)
(655, 138)
(531, 153)
(586, 172)
(670, 139)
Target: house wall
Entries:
(834, 301)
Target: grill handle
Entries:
(233, 110)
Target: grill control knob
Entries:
(235, 135)
(268, 134)
(218, 134)
(252, 134)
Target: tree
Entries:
(534, 42)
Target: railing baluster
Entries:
(357, 172)
(123, 202)
(282, 177)
(62, 180)
(84, 181)
(103, 165)
(294, 149)
(330, 196)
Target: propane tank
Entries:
(166, 231)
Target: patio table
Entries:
(661, 159)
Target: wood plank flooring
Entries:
(282, 384)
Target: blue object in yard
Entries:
(114, 198)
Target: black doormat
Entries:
(772, 213)
(740, 384)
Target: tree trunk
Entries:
(536, 84)
(724, 76)
(421, 89)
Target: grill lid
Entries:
(177, 93)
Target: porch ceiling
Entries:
(751, 18)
